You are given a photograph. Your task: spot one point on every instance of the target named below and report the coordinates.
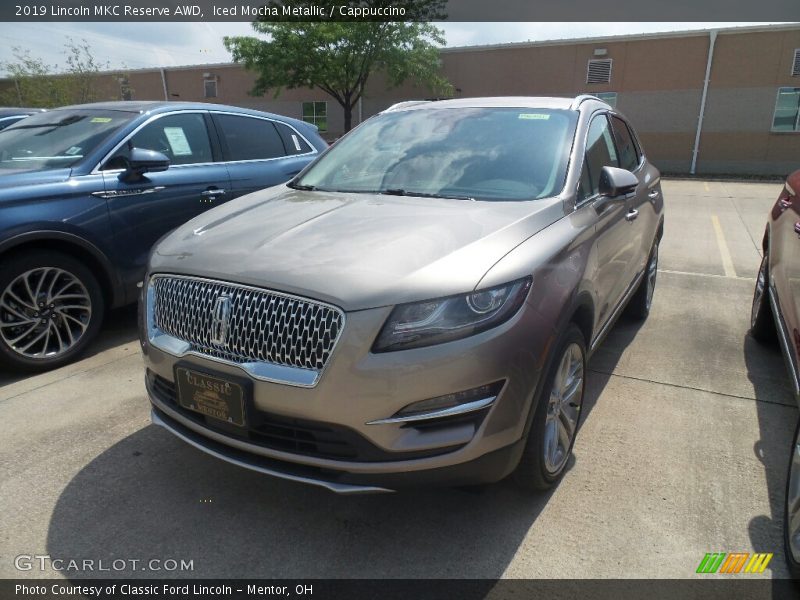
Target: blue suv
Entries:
(85, 192)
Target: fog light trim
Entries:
(461, 409)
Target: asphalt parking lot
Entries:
(682, 451)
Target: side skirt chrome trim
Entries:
(339, 488)
(783, 336)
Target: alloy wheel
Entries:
(563, 409)
(44, 312)
(760, 291)
(652, 271)
(793, 503)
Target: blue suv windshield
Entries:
(58, 138)
(466, 153)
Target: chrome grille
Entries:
(264, 326)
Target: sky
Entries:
(142, 45)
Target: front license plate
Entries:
(214, 397)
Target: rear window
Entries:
(58, 138)
(475, 153)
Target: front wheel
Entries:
(51, 308)
(791, 518)
(555, 422)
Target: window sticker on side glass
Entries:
(537, 116)
(177, 141)
(296, 143)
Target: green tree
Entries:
(339, 57)
(40, 85)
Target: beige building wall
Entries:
(658, 80)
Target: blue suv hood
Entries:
(11, 178)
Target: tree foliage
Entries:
(37, 84)
(340, 57)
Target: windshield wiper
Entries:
(402, 192)
(300, 186)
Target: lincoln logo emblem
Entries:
(220, 320)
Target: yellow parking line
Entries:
(727, 262)
(705, 184)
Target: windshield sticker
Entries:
(177, 141)
(296, 143)
(72, 150)
(538, 116)
(100, 120)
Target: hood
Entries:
(357, 251)
(23, 177)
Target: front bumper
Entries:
(357, 394)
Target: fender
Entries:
(116, 291)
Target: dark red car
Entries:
(776, 307)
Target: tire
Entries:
(542, 465)
(51, 308)
(762, 323)
(642, 299)
(793, 509)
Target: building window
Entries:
(787, 110)
(599, 71)
(316, 113)
(609, 98)
(210, 87)
(796, 64)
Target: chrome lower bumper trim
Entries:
(339, 488)
(461, 409)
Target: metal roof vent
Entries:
(796, 64)
(599, 71)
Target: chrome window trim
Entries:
(97, 169)
(261, 371)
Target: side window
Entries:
(628, 154)
(600, 152)
(293, 143)
(249, 138)
(183, 138)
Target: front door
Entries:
(145, 209)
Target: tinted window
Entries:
(183, 138)
(628, 153)
(293, 143)
(480, 153)
(249, 138)
(600, 152)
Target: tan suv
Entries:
(417, 306)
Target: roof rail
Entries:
(406, 104)
(581, 99)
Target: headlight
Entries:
(447, 319)
(789, 189)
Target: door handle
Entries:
(633, 213)
(653, 194)
(214, 192)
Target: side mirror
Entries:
(616, 182)
(141, 161)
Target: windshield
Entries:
(469, 153)
(56, 139)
